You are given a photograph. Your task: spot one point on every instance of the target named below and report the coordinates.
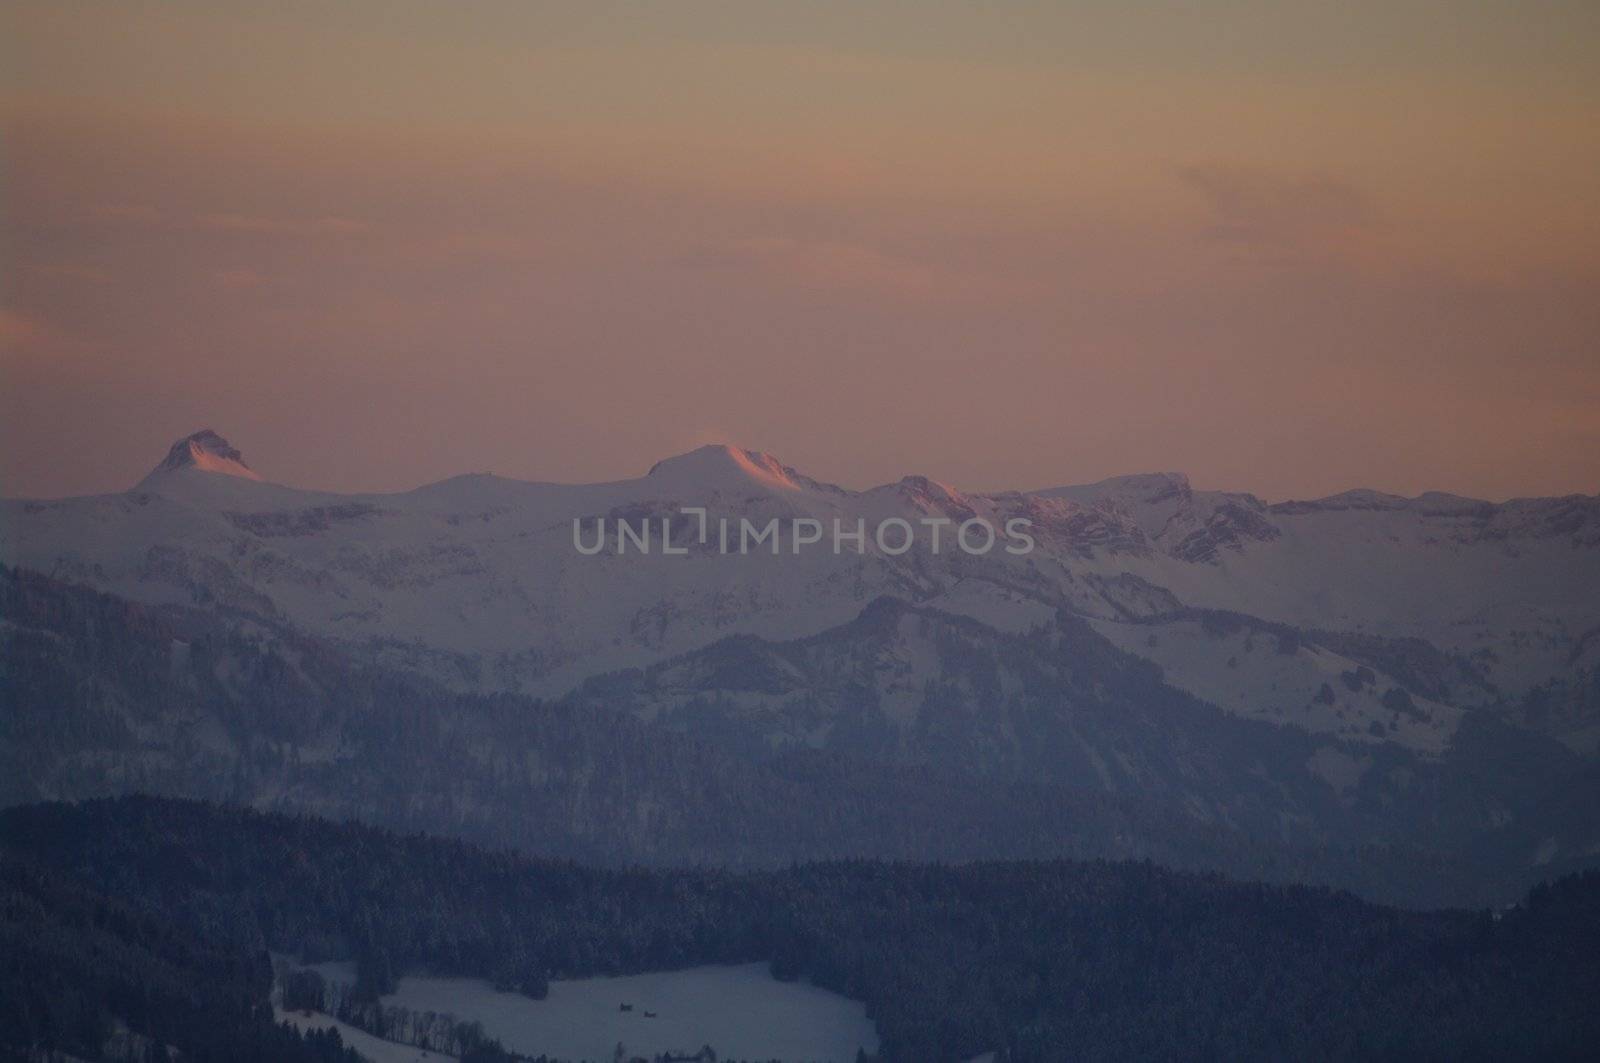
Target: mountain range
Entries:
(1358, 670)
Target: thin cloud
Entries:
(1255, 207)
(238, 278)
(251, 223)
(18, 330)
(68, 272)
(854, 266)
(25, 336)
(126, 213)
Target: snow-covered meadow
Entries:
(740, 1011)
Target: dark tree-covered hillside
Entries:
(1037, 960)
(84, 975)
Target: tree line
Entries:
(1036, 960)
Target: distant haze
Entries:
(1286, 248)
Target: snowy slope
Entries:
(477, 580)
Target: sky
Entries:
(1291, 248)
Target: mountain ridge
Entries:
(207, 450)
(1172, 671)
(475, 579)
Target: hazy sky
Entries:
(1289, 248)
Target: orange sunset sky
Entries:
(1285, 247)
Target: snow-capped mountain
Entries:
(204, 451)
(1362, 616)
(1374, 690)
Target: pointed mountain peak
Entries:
(927, 494)
(206, 451)
(719, 465)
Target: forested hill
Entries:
(104, 696)
(83, 976)
(1040, 960)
